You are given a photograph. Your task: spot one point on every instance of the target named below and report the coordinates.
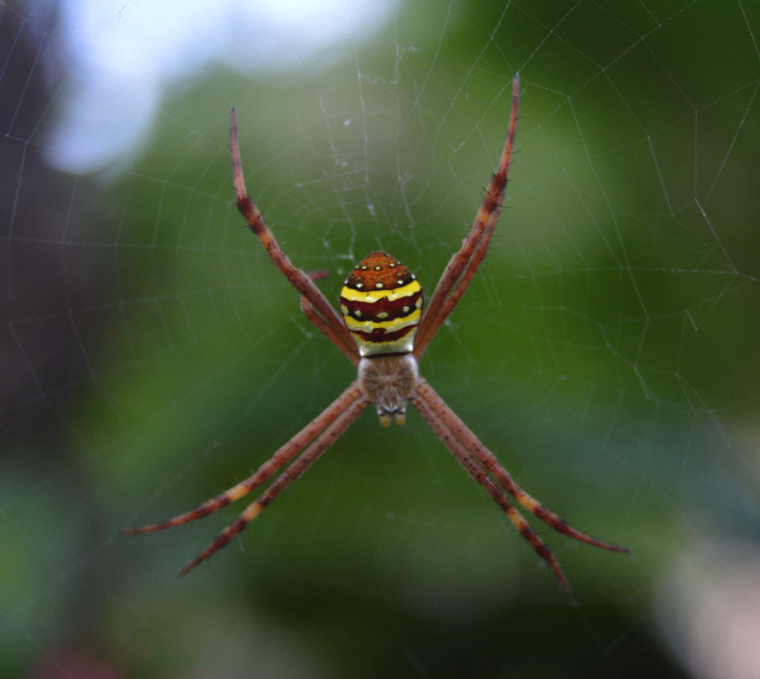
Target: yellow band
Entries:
(376, 295)
(390, 326)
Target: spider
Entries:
(383, 331)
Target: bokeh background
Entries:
(151, 356)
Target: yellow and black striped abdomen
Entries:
(381, 303)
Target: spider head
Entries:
(389, 381)
(381, 303)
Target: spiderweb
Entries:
(606, 351)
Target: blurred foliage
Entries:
(606, 353)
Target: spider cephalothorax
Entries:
(383, 332)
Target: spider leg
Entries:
(481, 476)
(471, 442)
(299, 279)
(448, 304)
(349, 351)
(281, 458)
(301, 464)
(474, 248)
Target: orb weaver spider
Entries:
(384, 333)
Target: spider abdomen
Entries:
(381, 303)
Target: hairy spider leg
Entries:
(349, 351)
(476, 241)
(299, 279)
(299, 466)
(327, 330)
(481, 476)
(448, 304)
(471, 442)
(281, 458)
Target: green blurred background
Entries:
(607, 352)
